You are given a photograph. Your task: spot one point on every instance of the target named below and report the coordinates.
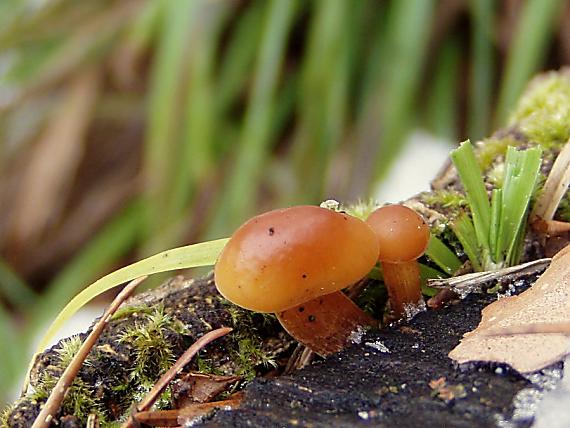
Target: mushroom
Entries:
(293, 262)
(402, 237)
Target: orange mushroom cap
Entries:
(286, 257)
(401, 232)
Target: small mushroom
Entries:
(294, 262)
(402, 237)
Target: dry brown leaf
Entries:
(200, 388)
(547, 301)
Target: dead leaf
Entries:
(547, 301)
(54, 161)
(200, 388)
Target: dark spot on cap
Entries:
(304, 276)
(271, 231)
(312, 318)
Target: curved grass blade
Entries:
(190, 256)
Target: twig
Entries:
(53, 403)
(476, 279)
(176, 368)
(535, 328)
(555, 187)
(187, 414)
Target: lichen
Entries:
(543, 112)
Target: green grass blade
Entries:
(322, 96)
(529, 47)
(14, 290)
(235, 67)
(238, 197)
(482, 68)
(196, 158)
(521, 175)
(11, 354)
(496, 212)
(409, 22)
(442, 256)
(441, 111)
(190, 256)
(468, 169)
(164, 114)
(463, 228)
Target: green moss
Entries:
(154, 352)
(490, 150)
(249, 329)
(127, 311)
(543, 112)
(5, 415)
(249, 356)
(444, 199)
(361, 209)
(80, 400)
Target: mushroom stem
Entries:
(402, 280)
(326, 323)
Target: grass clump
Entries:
(492, 233)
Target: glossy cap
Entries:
(402, 233)
(286, 257)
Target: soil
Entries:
(365, 386)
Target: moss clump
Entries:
(127, 311)
(152, 344)
(444, 198)
(81, 399)
(249, 351)
(492, 150)
(5, 416)
(543, 112)
(361, 209)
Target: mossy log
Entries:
(148, 334)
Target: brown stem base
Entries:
(325, 324)
(403, 283)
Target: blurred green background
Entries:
(130, 126)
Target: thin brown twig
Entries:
(53, 403)
(176, 368)
(185, 415)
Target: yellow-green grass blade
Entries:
(190, 256)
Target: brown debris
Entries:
(200, 388)
(187, 415)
